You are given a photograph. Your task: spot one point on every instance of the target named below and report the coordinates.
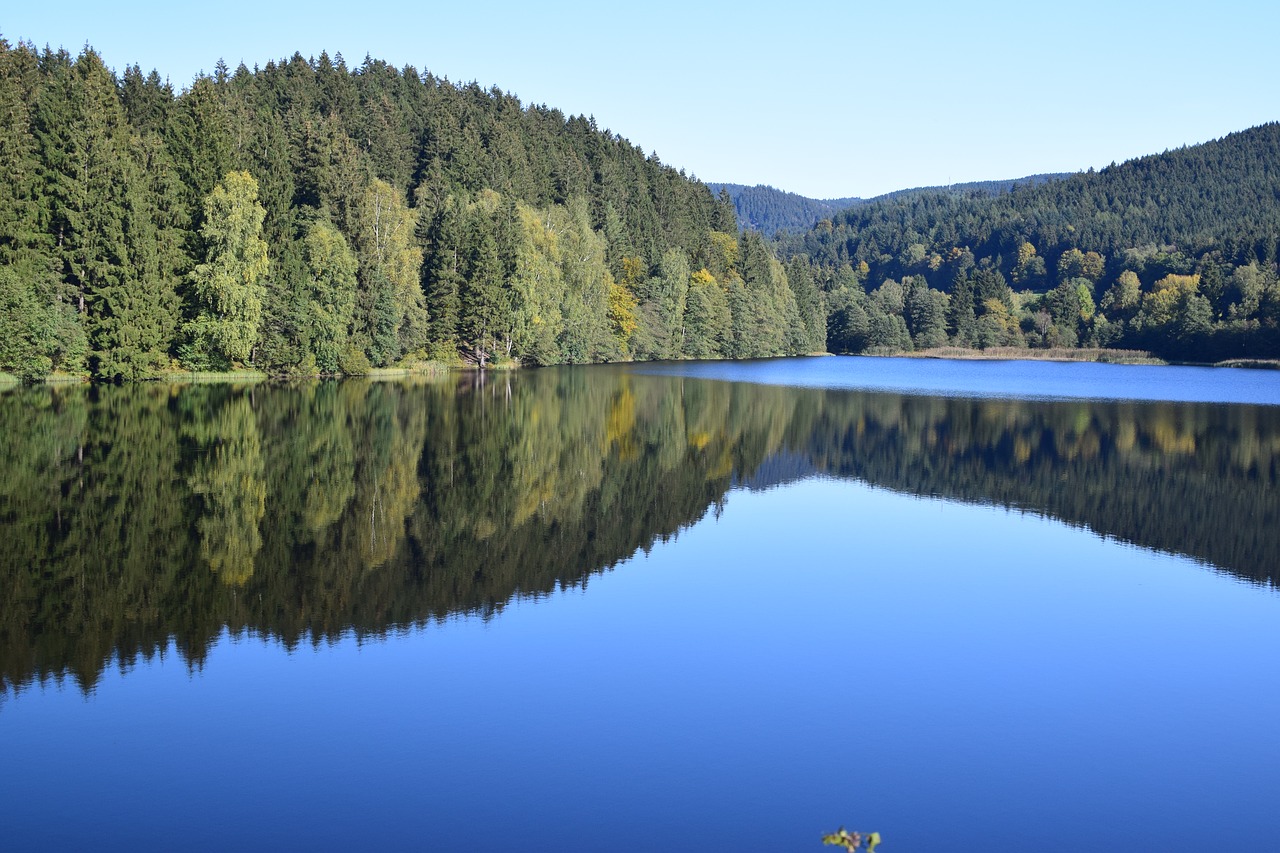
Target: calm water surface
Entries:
(659, 607)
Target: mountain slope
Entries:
(770, 210)
(1217, 195)
(1173, 252)
(310, 217)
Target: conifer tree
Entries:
(707, 320)
(392, 308)
(485, 309)
(443, 276)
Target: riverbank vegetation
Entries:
(1098, 354)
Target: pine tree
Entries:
(707, 319)
(390, 274)
(671, 299)
(199, 139)
(23, 240)
(89, 174)
(813, 314)
(139, 321)
(484, 311)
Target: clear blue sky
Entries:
(826, 99)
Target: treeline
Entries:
(1173, 253)
(146, 513)
(308, 217)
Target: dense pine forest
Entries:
(1173, 253)
(770, 210)
(309, 217)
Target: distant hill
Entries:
(767, 210)
(1173, 253)
(1222, 195)
(978, 188)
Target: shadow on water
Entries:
(142, 515)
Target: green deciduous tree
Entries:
(331, 291)
(707, 319)
(228, 287)
(391, 308)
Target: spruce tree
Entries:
(442, 277)
(484, 311)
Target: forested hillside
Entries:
(770, 210)
(1173, 253)
(310, 217)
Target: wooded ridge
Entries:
(312, 218)
(1174, 253)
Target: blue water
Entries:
(1037, 380)
(956, 676)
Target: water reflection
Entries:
(133, 515)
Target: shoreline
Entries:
(1087, 355)
(1059, 354)
(438, 368)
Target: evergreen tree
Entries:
(484, 312)
(707, 318)
(813, 314)
(670, 298)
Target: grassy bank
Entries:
(1105, 356)
(213, 376)
(427, 369)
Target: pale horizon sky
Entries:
(824, 99)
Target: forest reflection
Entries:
(143, 514)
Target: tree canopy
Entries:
(1084, 260)
(309, 216)
(314, 217)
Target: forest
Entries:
(312, 218)
(770, 210)
(1174, 254)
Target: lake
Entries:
(697, 606)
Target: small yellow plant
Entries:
(852, 841)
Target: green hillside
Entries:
(1173, 253)
(313, 217)
(770, 210)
